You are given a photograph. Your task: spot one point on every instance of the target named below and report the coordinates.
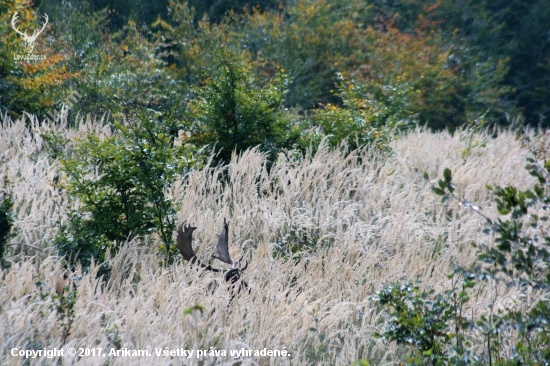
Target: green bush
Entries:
(232, 112)
(431, 323)
(128, 75)
(520, 258)
(120, 182)
(6, 225)
(362, 120)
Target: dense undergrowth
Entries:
(323, 230)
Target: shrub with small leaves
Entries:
(120, 182)
(362, 119)
(232, 112)
(6, 224)
(432, 324)
(520, 258)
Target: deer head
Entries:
(184, 243)
(29, 39)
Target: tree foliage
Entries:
(6, 226)
(120, 182)
(28, 85)
(231, 112)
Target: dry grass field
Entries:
(361, 219)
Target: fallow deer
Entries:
(184, 243)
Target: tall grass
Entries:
(322, 233)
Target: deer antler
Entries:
(184, 242)
(222, 246)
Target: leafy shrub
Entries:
(128, 76)
(520, 258)
(232, 112)
(307, 38)
(6, 224)
(362, 120)
(431, 323)
(120, 182)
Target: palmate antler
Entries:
(184, 242)
(223, 248)
(185, 246)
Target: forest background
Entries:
(446, 64)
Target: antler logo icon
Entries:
(29, 39)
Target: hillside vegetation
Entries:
(383, 164)
(323, 232)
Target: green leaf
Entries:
(503, 210)
(195, 307)
(447, 175)
(438, 191)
